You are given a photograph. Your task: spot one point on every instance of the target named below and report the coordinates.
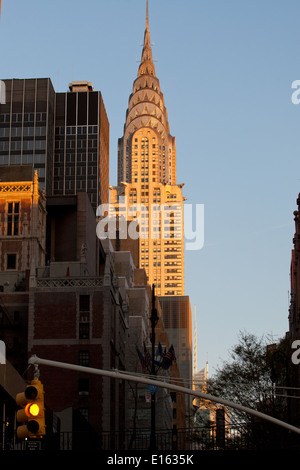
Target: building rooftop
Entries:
(80, 86)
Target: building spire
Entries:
(147, 66)
(147, 14)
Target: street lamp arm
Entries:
(34, 360)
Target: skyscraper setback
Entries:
(147, 188)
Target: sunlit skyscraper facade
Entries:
(147, 190)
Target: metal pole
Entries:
(3, 425)
(34, 360)
(153, 319)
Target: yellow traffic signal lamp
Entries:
(32, 414)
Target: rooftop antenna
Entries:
(147, 13)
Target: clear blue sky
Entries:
(226, 69)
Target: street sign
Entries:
(33, 444)
(152, 388)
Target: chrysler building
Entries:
(147, 193)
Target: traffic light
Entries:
(32, 414)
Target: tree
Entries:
(247, 379)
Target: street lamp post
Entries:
(154, 320)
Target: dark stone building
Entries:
(64, 136)
(27, 127)
(81, 161)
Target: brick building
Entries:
(22, 246)
(79, 319)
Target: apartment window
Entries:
(83, 387)
(16, 316)
(84, 317)
(84, 330)
(13, 218)
(84, 358)
(11, 261)
(84, 412)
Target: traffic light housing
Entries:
(32, 412)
